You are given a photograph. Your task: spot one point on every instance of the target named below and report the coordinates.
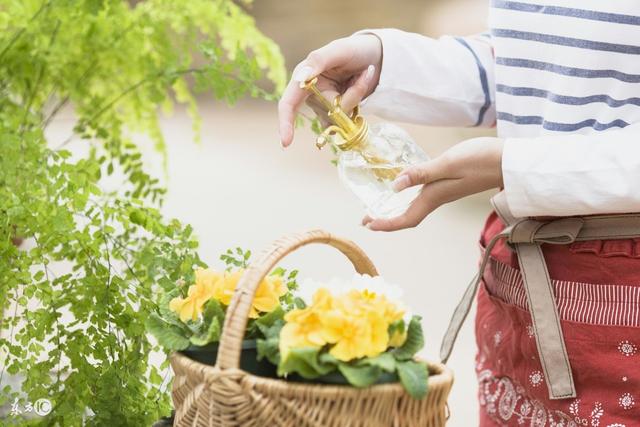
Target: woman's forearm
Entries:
(442, 82)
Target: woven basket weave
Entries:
(225, 396)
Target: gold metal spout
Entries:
(352, 130)
(348, 132)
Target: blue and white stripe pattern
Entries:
(570, 66)
(484, 82)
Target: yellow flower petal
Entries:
(197, 295)
(268, 294)
(253, 313)
(398, 338)
(185, 308)
(266, 303)
(207, 277)
(355, 323)
(176, 303)
(226, 286)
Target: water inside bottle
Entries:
(369, 172)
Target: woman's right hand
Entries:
(349, 67)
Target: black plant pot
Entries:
(248, 358)
(336, 378)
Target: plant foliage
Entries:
(175, 334)
(312, 362)
(74, 300)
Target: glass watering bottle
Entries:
(369, 158)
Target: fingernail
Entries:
(368, 225)
(284, 133)
(400, 183)
(303, 74)
(370, 70)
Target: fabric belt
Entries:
(525, 236)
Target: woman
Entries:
(562, 85)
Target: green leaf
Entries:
(414, 341)
(115, 64)
(169, 336)
(278, 271)
(305, 362)
(384, 361)
(328, 358)
(203, 333)
(213, 310)
(267, 320)
(414, 377)
(396, 327)
(212, 334)
(269, 349)
(269, 346)
(360, 375)
(299, 303)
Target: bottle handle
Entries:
(324, 138)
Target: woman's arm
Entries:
(562, 175)
(469, 167)
(442, 82)
(404, 76)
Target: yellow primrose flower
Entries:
(267, 295)
(225, 288)
(207, 277)
(197, 295)
(304, 327)
(379, 303)
(360, 335)
(354, 324)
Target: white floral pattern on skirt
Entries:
(505, 401)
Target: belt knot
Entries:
(557, 232)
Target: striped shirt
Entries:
(565, 69)
(560, 80)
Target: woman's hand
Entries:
(348, 66)
(470, 167)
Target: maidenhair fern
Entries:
(73, 301)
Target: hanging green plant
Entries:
(74, 299)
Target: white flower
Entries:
(627, 348)
(530, 331)
(536, 378)
(497, 338)
(359, 282)
(626, 401)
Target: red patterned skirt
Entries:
(597, 288)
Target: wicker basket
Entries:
(225, 396)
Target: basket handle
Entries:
(238, 311)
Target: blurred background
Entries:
(238, 187)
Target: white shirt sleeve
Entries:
(443, 82)
(573, 174)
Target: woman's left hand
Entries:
(467, 168)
